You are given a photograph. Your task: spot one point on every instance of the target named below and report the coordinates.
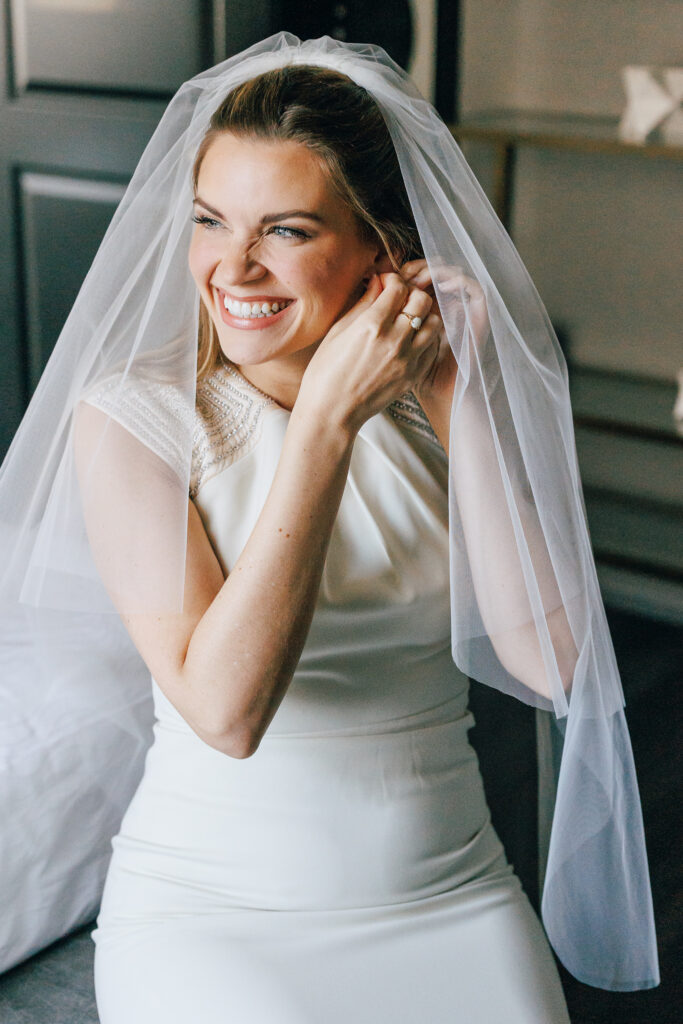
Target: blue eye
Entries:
(280, 229)
(209, 222)
(289, 232)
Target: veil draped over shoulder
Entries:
(533, 627)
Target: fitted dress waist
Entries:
(385, 812)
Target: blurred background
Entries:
(534, 93)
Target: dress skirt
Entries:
(335, 877)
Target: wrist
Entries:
(322, 429)
(327, 414)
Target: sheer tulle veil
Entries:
(136, 316)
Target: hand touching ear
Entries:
(466, 305)
(371, 355)
(435, 393)
(382, 265)
(461, 289)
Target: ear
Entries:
(380, 265)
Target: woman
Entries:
(337, 816)
(310, 839)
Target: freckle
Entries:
(279, 529)
(286, 535)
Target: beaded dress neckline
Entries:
(229, 411)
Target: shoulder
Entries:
(227, 422)
(159, 413)
(209, 429)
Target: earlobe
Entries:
(382, 264)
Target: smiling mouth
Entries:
(255, 314)
(257, 308)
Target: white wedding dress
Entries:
(347, 872)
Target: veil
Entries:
(522, 572)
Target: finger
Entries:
(429, 347)
(426, 340)
(417, 272)
(427, 364)
(422, 279)
(393, 284)
(394, 295)
(411, 268)
(463, 285)
(372, 291)
(418, 304)
(430, 332)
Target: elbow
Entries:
(566, 652)
(236, 732)
(540, 683)
(532, 676)
(521, 656)
(242, 744)
(238, 741)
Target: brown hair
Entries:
(338, 120)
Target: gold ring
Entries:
(415, 321)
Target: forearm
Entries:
(245, 648)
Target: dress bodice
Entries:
(379, 643)
(383, 604)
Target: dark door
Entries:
(84, 84)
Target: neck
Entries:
(280, 378)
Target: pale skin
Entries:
(226, 662)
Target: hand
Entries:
(371, 355)
(462, 291)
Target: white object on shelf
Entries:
(653, 100)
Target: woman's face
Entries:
(273, 236)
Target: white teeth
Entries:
(252, 310)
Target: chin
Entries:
(247, 349)
(249, 352)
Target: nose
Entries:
(238, 263)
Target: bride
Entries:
(335, 823)
(342, 506)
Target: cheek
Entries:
(199, 260)
(330, 276)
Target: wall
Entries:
(597, 232)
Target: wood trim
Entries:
(551, 130)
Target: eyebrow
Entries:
(270, 218)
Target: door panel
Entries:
(108, 45)
(63, 220)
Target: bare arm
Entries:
(497, 572)
(227, 664)
(227, 661)
(492, 550)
